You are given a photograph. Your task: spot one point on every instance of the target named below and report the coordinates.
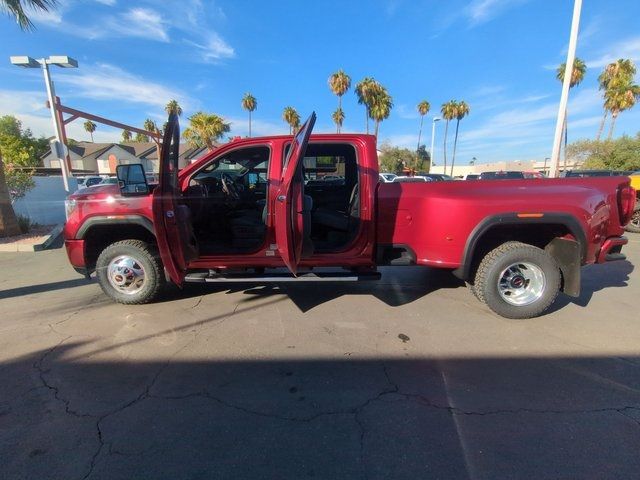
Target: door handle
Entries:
(281, 198)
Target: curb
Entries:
(27, 247)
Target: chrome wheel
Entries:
(126, 274)
(521, 283)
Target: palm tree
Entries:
(249, 103)
(173, 107)
(577, 75)
(339, 83)
(380, 107)
(126, 136)
(16, 8)
(365, 91)
(291, 117)
(90, 127)
(141, 137)
(449, 112)
(423, 108)
(205, 129)
(620, 99)
(462, 110)
(614, 75)
(338, 118)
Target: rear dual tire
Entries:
(517, 280)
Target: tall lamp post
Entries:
(433, 137)
(63, 61)
(564, 97)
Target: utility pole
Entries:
(433, 137)
(564, 97)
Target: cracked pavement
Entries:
(407, 378)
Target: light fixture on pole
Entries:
(564, 97)
(63, 61)
(433, 136)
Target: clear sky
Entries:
(498, 55)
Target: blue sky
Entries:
(498, 55)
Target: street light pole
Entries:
(433, 137)
(57, 147)
(564, 97)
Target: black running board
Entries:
(206, 277)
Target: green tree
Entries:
(423, 108)
(381, 105)
(338, 119)
(365, 91)
(16, 9)
(577, 75)
(462, 110)
(90, 127)
(449, 112)
(205, 129)
(292, 118)
(126, 136)
(21, 154)
(623, 153)
(141, 137)
(249, 103)
(339, 83)
(614, 76)
(619, 99)
(395, 159)
(173, 107)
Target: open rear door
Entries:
(172, 220)
(290, 202)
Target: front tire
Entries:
(634, 225)
(130, 272)
(517, 280)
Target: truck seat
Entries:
(335, 219)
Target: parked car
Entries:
(414, 179)
(533, 175)
(472, 176)
(109, 180)
(634, 224)
(387, 177)
(519, 243)
(501, 175)
(437, 177)
(594, 173)
(89, 181)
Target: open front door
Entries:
(172, 220)
(290, 202)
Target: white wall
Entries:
(44, 203)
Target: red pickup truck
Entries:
(277, 209)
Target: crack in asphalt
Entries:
(56, 391)
(144, 394)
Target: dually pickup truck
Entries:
(310, 208)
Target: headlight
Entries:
(69, 207)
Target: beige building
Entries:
(103, 158)
(516, 165)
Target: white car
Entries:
(89, 181)
(387, 177)
(414, 179)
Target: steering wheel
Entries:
(229, 187)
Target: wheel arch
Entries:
(537, 231)
(100, 232)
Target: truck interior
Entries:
(228, 199)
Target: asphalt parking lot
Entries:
(407, 378)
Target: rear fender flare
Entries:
(569, 221)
